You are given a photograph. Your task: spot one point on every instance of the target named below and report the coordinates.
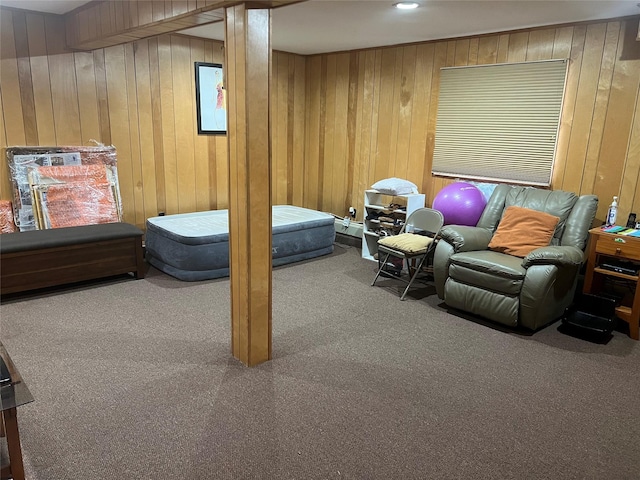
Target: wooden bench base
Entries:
(47, 258)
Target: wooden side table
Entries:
(610, 247)
(12, 395)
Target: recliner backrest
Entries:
(576, 213)
(492, 212)
(576, 230)
(553, 202)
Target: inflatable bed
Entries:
(195, 246)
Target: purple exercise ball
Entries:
(461, 204)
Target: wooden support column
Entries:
(248, 76)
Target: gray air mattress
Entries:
(195, 246)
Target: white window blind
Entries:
(499, 122)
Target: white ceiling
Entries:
(318, 26)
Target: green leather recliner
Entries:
(529, 292)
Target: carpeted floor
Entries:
(134, 380)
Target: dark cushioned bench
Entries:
(47, 258)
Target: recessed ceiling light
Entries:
(406, 5)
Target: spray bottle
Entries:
(613, 211)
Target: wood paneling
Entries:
(201, 149)
(297, 130)
(340, 121)
(584, 102)
(10, 84)
(618, 123)
(396, 107)
(312, 137)
(139, 97)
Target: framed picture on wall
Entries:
(211, 100)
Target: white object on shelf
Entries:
(612, 213)
(375, 201)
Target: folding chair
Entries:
(415, 241)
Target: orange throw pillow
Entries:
(522, 230)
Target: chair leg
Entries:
(382, 264)
(413, 277)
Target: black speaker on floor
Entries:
(596, 313)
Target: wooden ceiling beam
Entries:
(103, 23)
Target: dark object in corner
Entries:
(5, 376)
(596, 313)
(47, 258)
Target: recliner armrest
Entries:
(466, 239)
(561, 255)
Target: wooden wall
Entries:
(139, 97)
(339, 121)
(371, 114)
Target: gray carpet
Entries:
(134, 380)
